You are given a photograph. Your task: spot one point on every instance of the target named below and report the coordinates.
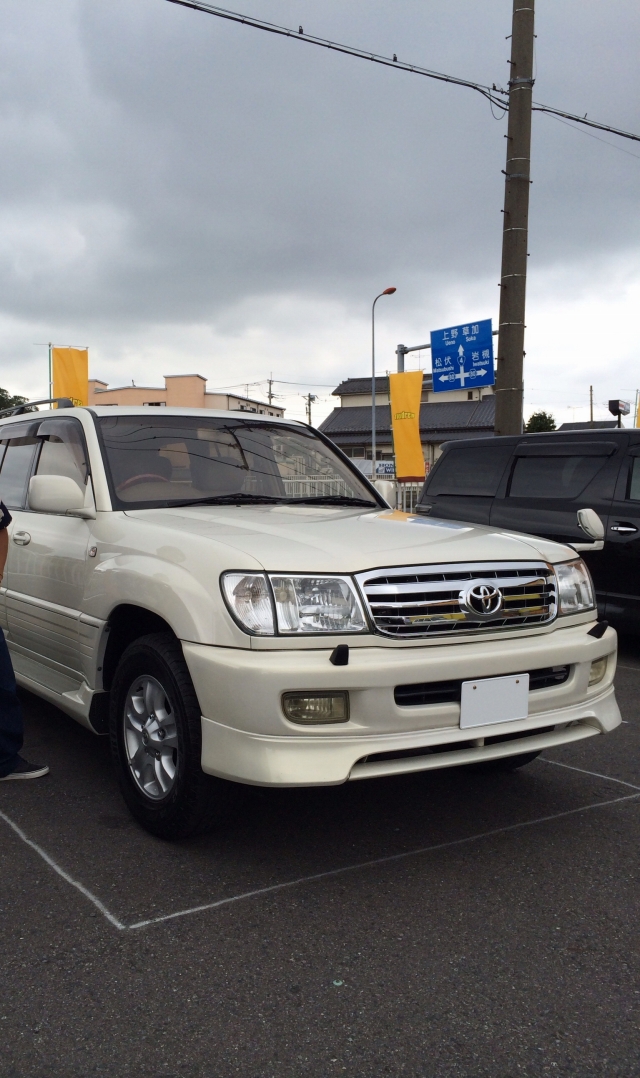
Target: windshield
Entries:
(180, 460)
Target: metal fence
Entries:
(322, 486)
(407, 495)
(314, 486)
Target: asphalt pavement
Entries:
(444, 924)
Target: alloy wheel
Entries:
(150, 737)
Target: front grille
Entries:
(449, 692)
(427, 599)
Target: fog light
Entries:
(310, 708)
(598, 670)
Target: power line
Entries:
(537, 107)
(276, 381)
(489, 92)
(313, 385)
(598, 139)
(362, 54)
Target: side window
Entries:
(553, 476)
(17, 457)
(468, 472)
(634, 480)
(63, 450)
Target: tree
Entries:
(7, 401)
(539, 422)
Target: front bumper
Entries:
(246, 737)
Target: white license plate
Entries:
(491, 700)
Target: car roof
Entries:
(552, 436)
(132, 410)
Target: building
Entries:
(180, 391)
(599, 424)
(460, 413)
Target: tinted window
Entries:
(634, 484)
(470, 471)
(553, 477)
(63, 451)
(160, 460)
(16, 469)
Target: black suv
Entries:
(536, 483)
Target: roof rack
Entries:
(20, 409)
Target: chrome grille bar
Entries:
(411, 601)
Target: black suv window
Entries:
(634, 480)
(553, 476)
(470, 471)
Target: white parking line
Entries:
(273, 888)
(596, 774)
(61, 872)
(376, 861)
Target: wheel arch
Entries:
(128, 622)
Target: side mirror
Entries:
(58, 494)
(590, 523)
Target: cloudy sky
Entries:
(180, 193)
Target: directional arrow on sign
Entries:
(462, 375)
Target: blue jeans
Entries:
(11, 727)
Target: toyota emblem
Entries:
(482, 600)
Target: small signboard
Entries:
(385, 468)
(462, 356)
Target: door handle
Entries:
(21, 538)
(623, 529)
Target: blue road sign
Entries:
(462, 357)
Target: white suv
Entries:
(231, 600)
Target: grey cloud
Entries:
(161, 165)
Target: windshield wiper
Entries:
(334, 499)
(267, 499)
(230, 499)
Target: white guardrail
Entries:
(323, 486)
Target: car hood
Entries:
(314, 539)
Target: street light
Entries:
(387, 292)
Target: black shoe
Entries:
(25, 770)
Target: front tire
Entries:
(156, 741)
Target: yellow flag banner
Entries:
(70, 371)
(406, 392)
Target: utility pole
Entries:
(310, 399)
(513, 282)
(270, 390)
(590, 406)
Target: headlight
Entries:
(249, 600)
(303, 604)
(575, 591)
(317, 604)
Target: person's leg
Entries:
(11, 726)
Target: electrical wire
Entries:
(276, 381)
(489, 92)
(537, 107)
(598, 139)
(363, 54)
